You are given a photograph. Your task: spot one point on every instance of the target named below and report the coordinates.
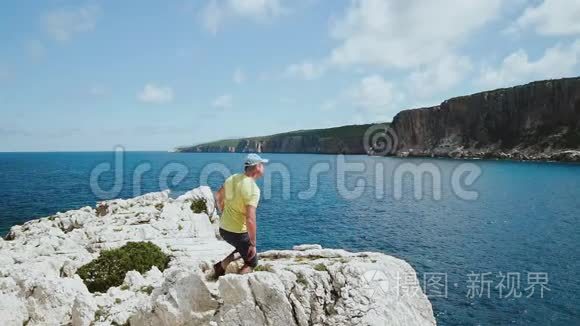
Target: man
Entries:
(237, 199)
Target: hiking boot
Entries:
(218, 270)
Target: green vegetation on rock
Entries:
(199, 205)
(321, 267)
(109, 269)
(264, 268)
(147, 289)
(301, 279)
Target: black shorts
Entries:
(240, 241)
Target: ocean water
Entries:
(525, 220)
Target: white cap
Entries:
(253, 159)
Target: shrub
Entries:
(147, 289)
(301, 279)
(101, 313)
(320, 267)
(199, 205)
(109, 269)
(102, 209)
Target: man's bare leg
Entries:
(245, 269)
(226, 261)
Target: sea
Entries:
(493, 242)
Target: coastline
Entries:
(309, 284)
(537, 121)
(483, 157)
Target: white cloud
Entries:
(557, 62)
(402, 34)
(63, 24)
(551, 17)
(212, 16)
(256, 8)
(389, 34)
(239, 76)
(215, 13)
(373, 93)
(373, 99)
(222, 102)
(152, 93)
(439, 76)
(305, 70)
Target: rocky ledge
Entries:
(308, 285)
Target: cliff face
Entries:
(537, 121)
(299, 144)
(540, 120)
(340, 140)
(308, 285)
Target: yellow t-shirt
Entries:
(240, 190)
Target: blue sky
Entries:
(153, 75)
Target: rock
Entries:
(261, 298)
(51, 300)
(83, 310)
(537, 121)
(308, 285)
(13, 310)
(270, 295)
(154, 275)
(134, 279)
(183, 299)
(306, 247)
(239, 307)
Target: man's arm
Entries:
(251, 223)
(251, 201)
(219, 196)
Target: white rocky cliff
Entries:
(304, 286)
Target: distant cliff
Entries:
(536, 121)
(339, 140)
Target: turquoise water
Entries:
(525, 220)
